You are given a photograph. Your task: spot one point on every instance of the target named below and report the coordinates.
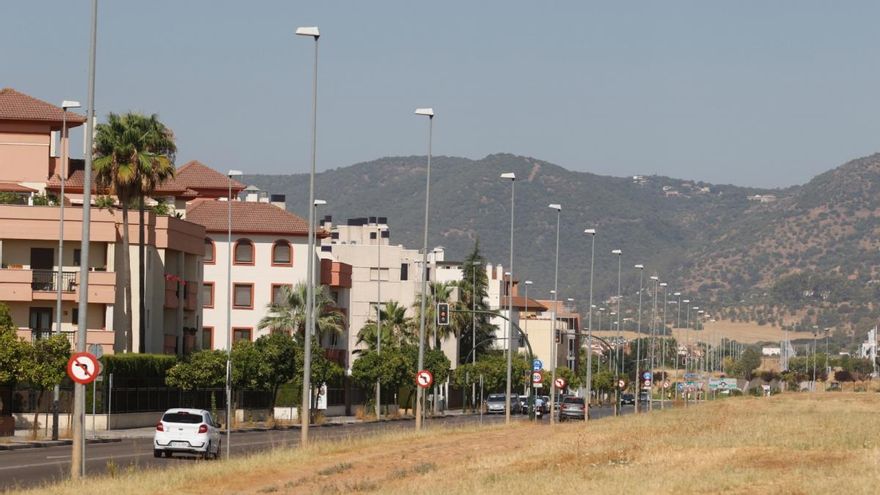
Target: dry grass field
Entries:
(794, 443)
(748, 333)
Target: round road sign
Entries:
(424, 378)
(666, 384)
(83, 368)
(647, 383)
(560, 383)
(621, 384)
(537, 377)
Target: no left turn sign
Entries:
(560, 383)
(621, 384)
(83, 368)
(424, 379)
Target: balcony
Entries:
(47, 281)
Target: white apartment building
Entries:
(377, 271)
(269, 250)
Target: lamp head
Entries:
(640, 267)
(617, 252)
(528, 282)
(590, 231)
(654, 277)
(663, 284)
(235, 173)
(66, 104)
(686, 301)
(555, 206)
(676, 293)
(508, 175)
(428, 112)
(308, 31)
(320, 202)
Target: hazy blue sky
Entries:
(746, 92)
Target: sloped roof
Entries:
(16, 188)
(247, 217)
(519, 302)
(19, 106)
(196, 175)
(74, 182)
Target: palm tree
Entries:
(133, 155)
(397, 329)
(289, 313)
(441, 292)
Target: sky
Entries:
(751, 93)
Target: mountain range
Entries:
(714, 242)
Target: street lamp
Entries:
(378, 316)
(305, 413)
(474, 265)
(427, 112)
(663, 285)
(65, 105)
(618, 367)
(512, 178)
(592, 234)
(554, 345)
(229, 303)
(654, 279)
(641, 269)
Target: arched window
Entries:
(209, 251)
(282, 253)
(244, 252)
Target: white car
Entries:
(191, 431)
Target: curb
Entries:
(36, 444)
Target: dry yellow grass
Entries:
(794, 443)
(748, 333)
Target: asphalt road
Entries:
(30, 467)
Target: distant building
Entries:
(771, 351)
(763, 198)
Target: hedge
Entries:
(137, 365)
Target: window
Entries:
(378, 274)
(241, 334)
(74, 317)
(77, 256)
(209, 252)
(404, 271)
(243, 296)
(281, 254)
(208, 294)
(207, 337)
(244, 252)
(276, 292)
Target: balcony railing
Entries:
(47, 280)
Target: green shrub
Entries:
(137, 365)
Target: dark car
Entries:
(571, 408)
(627, 399)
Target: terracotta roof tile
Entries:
(196, 175)
(519, 302)
(13, 187)
(19, 106)
(74, 183)
(247, 217)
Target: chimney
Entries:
(279, 200)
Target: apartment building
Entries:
(29, 244)
(269, 250)
(377, 270)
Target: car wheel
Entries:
(217, 452)
(207, 455)
(157, 453)
(168, 453)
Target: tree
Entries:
(473, 288)
(278, 353)
(438, 292)
(396, 329)
(44, 365)
(392, 368)
(289, 313)
(201, 370)
(12, 349)
(133, 155)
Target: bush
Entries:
(137, 365)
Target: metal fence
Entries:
(47, 280)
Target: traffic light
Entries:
(558, 336)
(442, 314)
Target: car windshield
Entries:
(627, 396)
(573, 400)
(497, 398)
(182, 417)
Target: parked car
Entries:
(643, 396)
(627, 399)
(190, 431)
(572, 408)
(497, 404)
(524, 404)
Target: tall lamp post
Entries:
(589, 398)
(641, 269)
(527, 283)
(65, 105)
(654, 279)
(305, 416)
(512, 178)
(474, 265)
(378, 316)
(553, 345)
(427, 112)
(229, 304)
(618, 367)
(663, 286)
